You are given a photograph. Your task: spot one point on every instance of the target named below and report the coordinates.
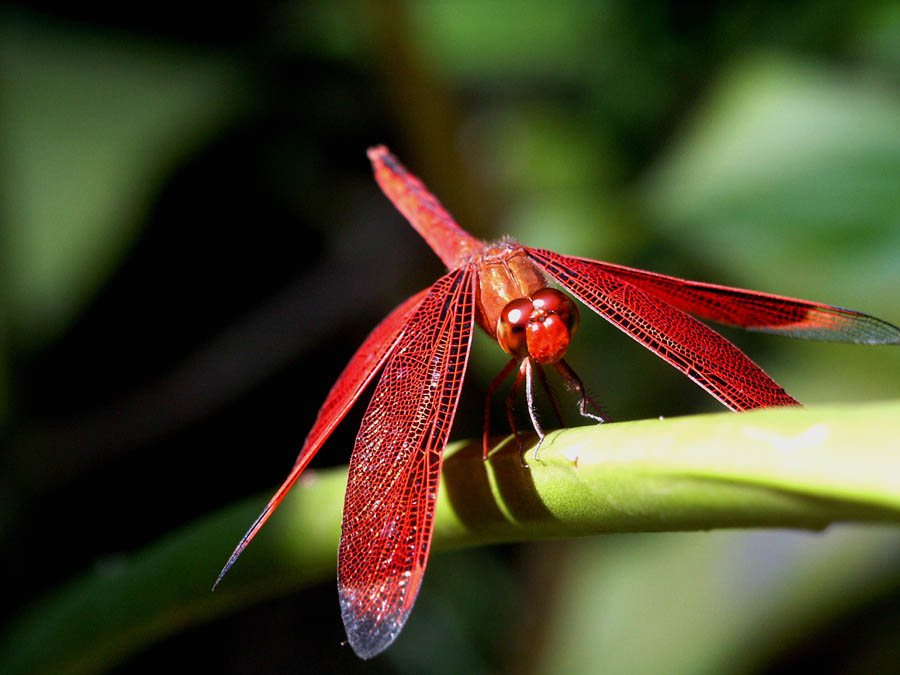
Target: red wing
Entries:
(452, 244)
(356, 375)
(759, 311)
(396, 464)
(692, 347)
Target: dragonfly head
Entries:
(540, 326)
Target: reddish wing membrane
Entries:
(756, 311)
(684, 342)
(356, 375)
(396, 463)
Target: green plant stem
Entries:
(784, 467)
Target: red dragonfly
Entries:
(423, 346)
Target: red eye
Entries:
(553, 323)
(511, 326)
(540, 326)
(556, 302)
(548, 299)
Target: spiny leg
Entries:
(492, 389)
(543, 378)
(510, 402)
(529, 399)
(572, 379)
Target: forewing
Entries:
(756, 311)
(690, 346)
(357, 374)
(350, 384)
(395, 467)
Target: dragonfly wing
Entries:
(367, 360)
(395, 466)
(756, 311)
(356, 375)
(687, 344)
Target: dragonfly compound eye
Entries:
(552, 324)
(511, 326)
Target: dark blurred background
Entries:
(193, 246)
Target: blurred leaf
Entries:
(776, 468)
(5, 380)
(468, 596)
(558, 185)
(91, 128)
(483, 41)
(790, 170)
(879, 35)
(128, 602)
(787, 178)
(718, 602)
(334, 29)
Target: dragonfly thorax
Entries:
(505, 273)
(540, 326)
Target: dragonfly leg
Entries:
(572, 379)
(529, 398)
(502, 375)
(510, 402)
(542, 376)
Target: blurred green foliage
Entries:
(92, 128)
(171, 176)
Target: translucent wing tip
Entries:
(259, 522)
(879, 332)
(231, 561)
(836, 324)
(246, 539)
(369, 632)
